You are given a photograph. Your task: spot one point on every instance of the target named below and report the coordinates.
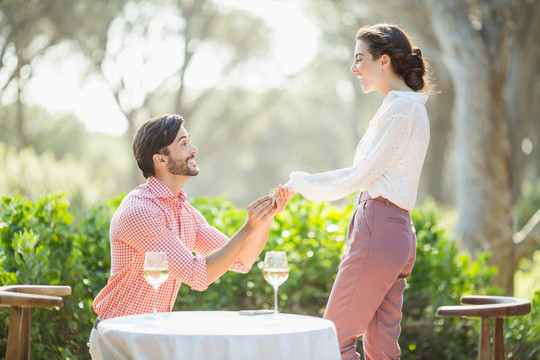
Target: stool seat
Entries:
(21, 298)
(487, 307)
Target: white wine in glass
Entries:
(275, 272)
(156, 272)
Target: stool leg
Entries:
(25, 333)
(498, 341)
(483, 345)
(14, 333)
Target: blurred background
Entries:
(265, 88)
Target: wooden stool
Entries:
(21, 298)
(486, 307)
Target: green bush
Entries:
(313, 235)
(521, 334)
(41, 244)
(440, 276)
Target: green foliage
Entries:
(521, 334)
(41, 243)
(58, 155)
(29, 175)
(527, 276)
(312, 234)
(440, 276)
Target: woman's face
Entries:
(367, 70)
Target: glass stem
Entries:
(275, 301)
(155, 301)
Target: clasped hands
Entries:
(265, 208)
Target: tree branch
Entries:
(7, 42)
(528, 238)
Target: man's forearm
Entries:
(254, 246)
(219, 261)
(247, 243)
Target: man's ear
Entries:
(159, 160)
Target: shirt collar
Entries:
(415, 96)
(161, 190)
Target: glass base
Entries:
(275, 316)
(153, 316)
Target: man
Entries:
(156, 217)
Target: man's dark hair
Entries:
(152, 138)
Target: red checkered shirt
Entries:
(152, 218)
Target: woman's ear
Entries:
(384, 61)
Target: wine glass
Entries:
(155, 271)
(275, 272)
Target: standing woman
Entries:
(367, 296)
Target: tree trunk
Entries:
(522, 93)
(434, 173)
(483, 191)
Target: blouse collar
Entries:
(415, 96)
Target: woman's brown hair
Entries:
(406, 59)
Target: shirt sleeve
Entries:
(144, 228)
(379, 149)
(210, 239)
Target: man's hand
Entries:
(261, 212)
(249, 241)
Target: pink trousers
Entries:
(367, 296)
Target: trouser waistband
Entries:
(364, 196)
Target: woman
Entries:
(367, 296)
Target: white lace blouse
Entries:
(388, 160)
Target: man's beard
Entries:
(177, 167)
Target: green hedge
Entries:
(41, 243)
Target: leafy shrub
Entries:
(312, 234)
(41, 244)
(522, 333)
(30, 174)
(440, 276)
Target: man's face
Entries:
(181, 156)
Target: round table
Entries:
(218, 335)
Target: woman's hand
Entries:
(281, 197)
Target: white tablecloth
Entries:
(218, 335)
